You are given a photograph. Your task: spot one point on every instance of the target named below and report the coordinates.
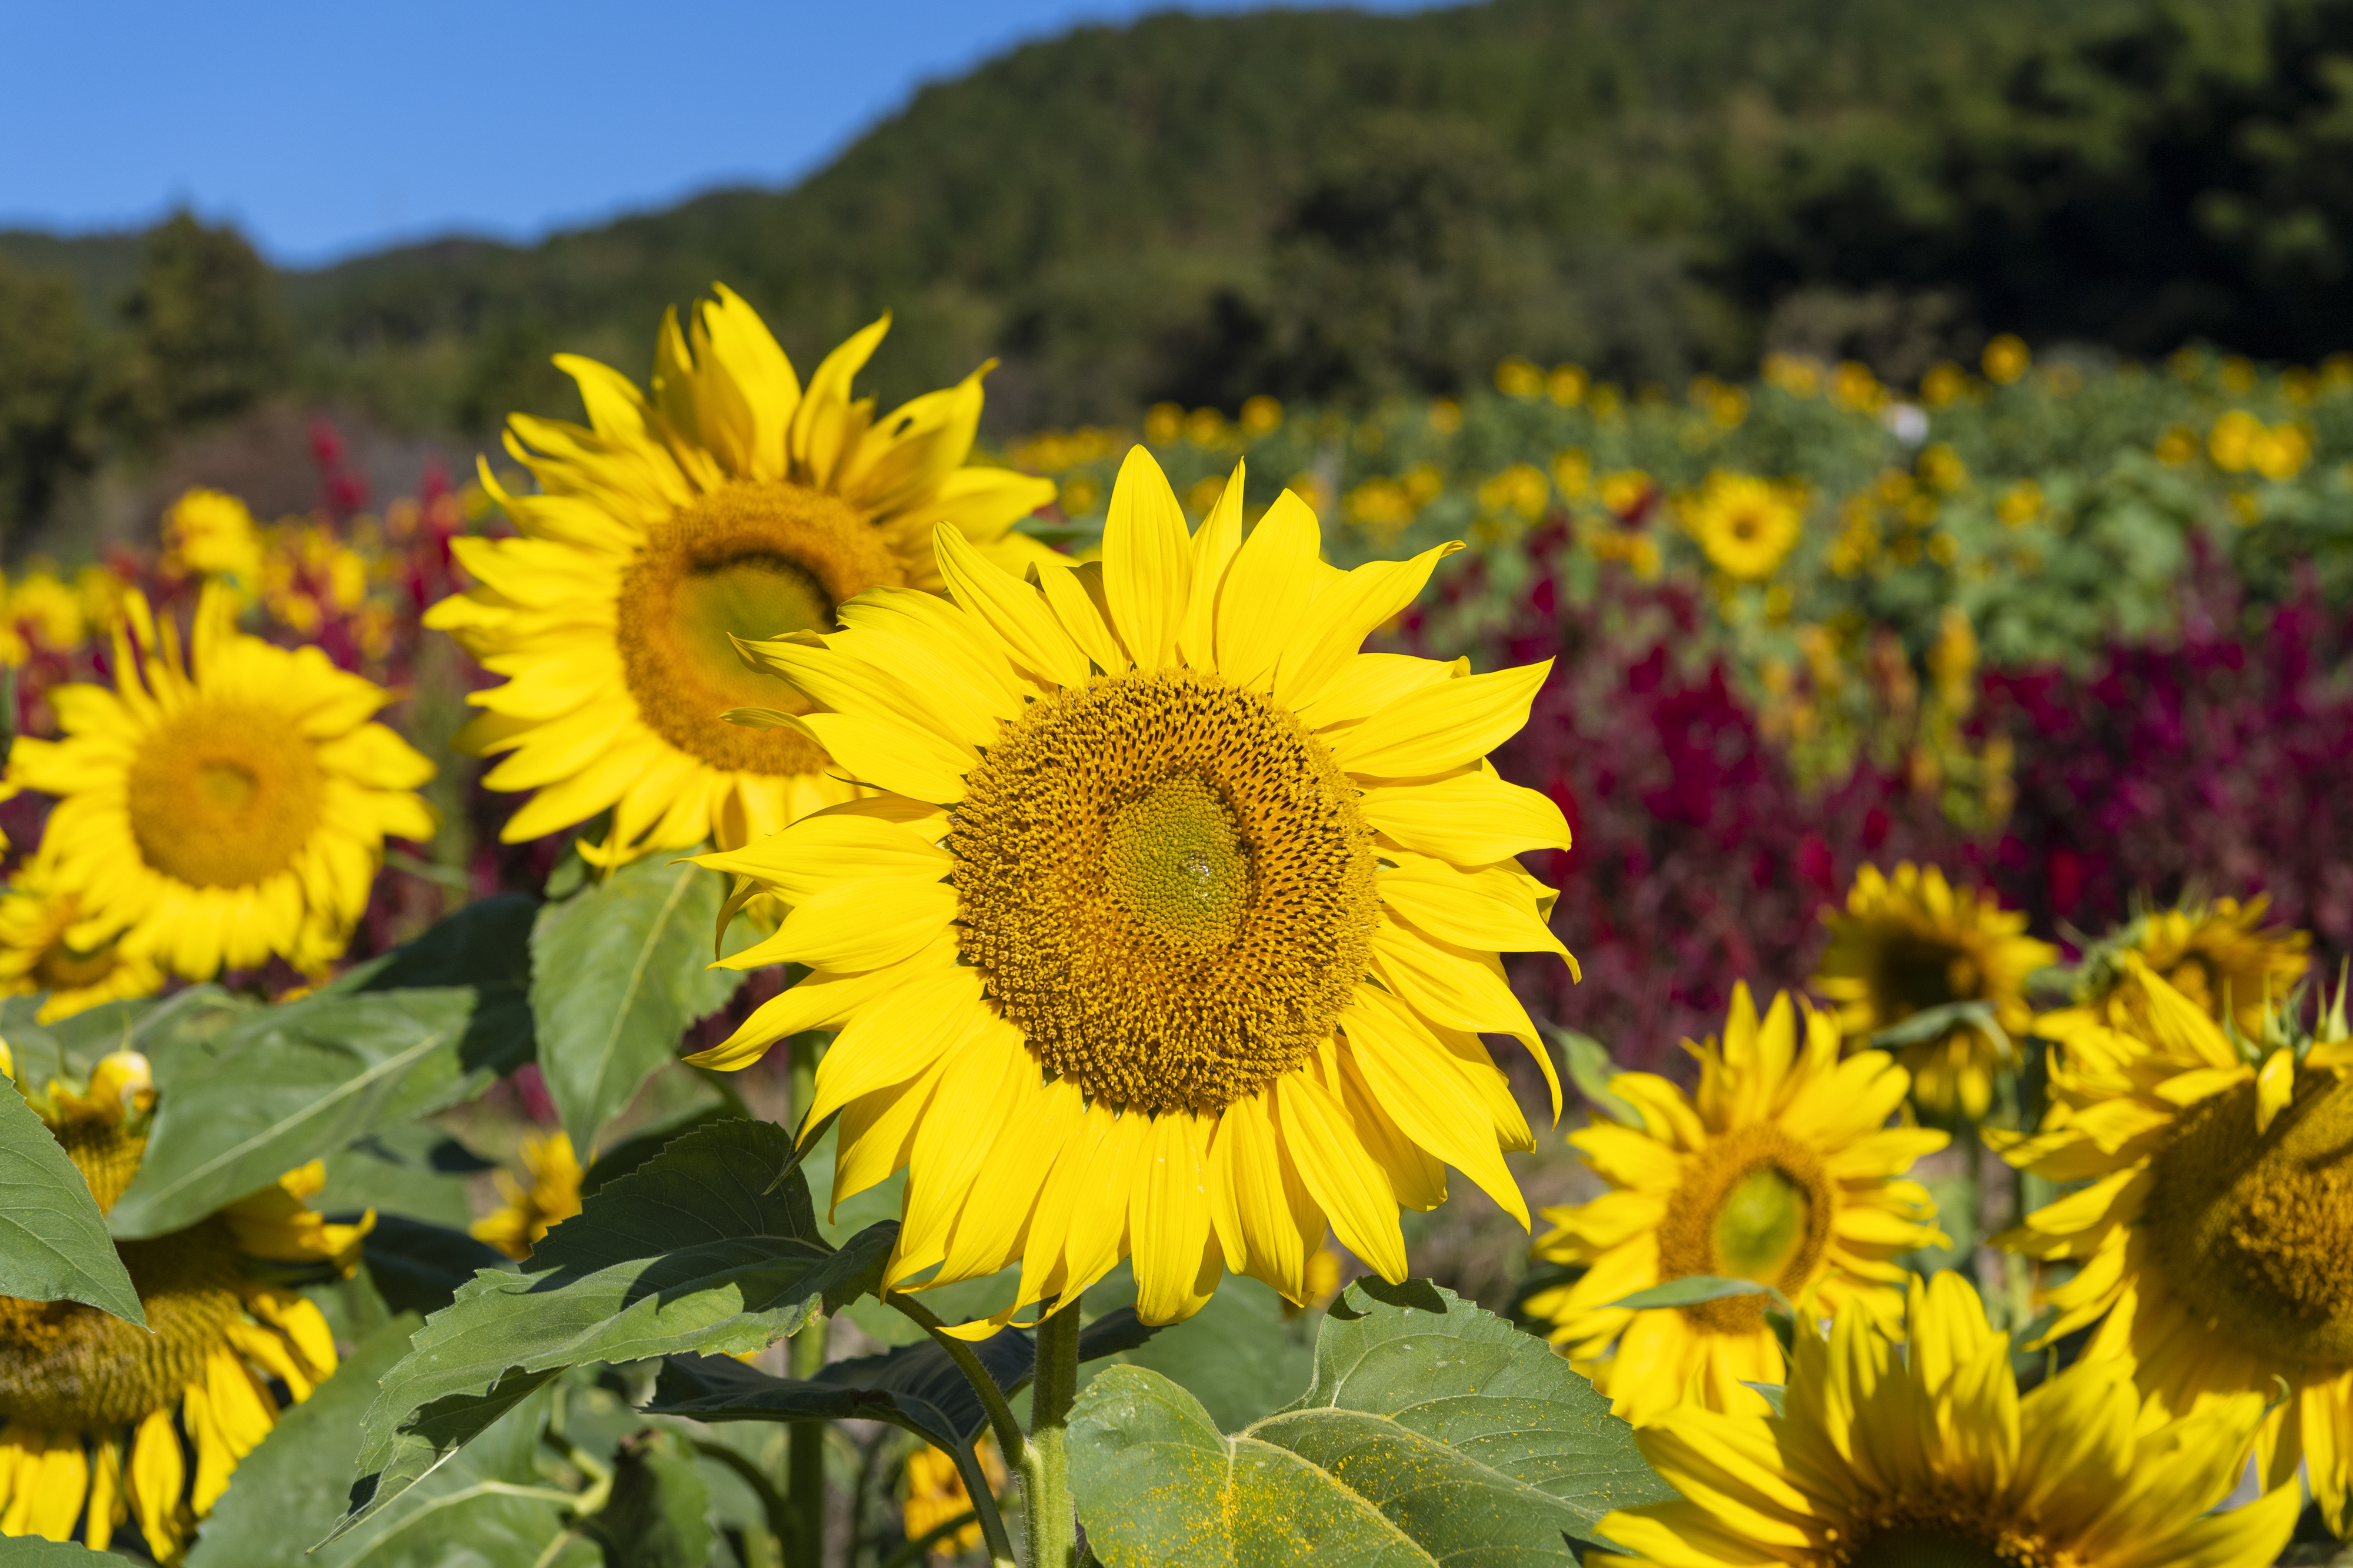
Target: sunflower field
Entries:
(1745, 975)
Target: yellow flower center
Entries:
(68, 1367)
(224, 794)
(1755, 1204)
(1168, 884)
(2256, 1234)
(755, 561)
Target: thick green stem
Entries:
(805, 1440)
(1009, 1441)
(1045, 1462)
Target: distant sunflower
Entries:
(1175, 927)
(530, 1212)
(223, 809)
(1745, 525)
(1912, 942)
(729, 503)
(1923, 1454)
(88, 1402)
(932, 1493)
(1782, 1169)
(2218, 954)
(35, 957)
(2214, 1242)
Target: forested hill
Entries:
(1333, 205)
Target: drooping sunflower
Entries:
(90, 1440)
(1783, 1169)
(1913, 941)
(2220, 954)
(1744, 524)
(729, 502)
(2215, 1243)
(35, 955)
(1174, 927)
(1925, 1455)
(532, 1208)
(224, 808)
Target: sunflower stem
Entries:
(1045, 1463)
(1010, 1444)
(805, 1459)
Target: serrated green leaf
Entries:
(1432, 1430)
(1692, 1289)
(1237, 1355)
(655, 1516)
(618, 971)
(288, 1085)
(711, 1246)
(53, 1241)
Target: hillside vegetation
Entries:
(1340, 206)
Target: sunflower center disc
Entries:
(1168, 884)
(1917, 1547)
(73, 1368)
(221, 795)
(1755, 1204)
(1922, 974)
(2256, 1234)
(756, 560)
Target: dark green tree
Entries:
(44, 377)
(203, 339)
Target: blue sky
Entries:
(326, 129)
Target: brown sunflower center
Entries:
(1747, 526)
(1755, 1204)
(1935, 1532)
(68, 1367)
(2256, 1234)
(1917, 972)
(224, 794)
(755, 560)
(1168, 884)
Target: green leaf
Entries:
(1432, 1430)
(289, 1084)
(414, 1168)
(1237, 1355)
(418, 1266)
(486, 947)
(919, 1380)
(656, 1517)
(617, 973)
(1591, 1069)
(35, 1553)
(1936, 1023)
(1693, 1288)
(53, 1241)
(709, 1247)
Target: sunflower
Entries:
(1783, 1170)
(2214, 1241)
(728, 503)
(1745, 525)
(223, 809)
(530, 1212)
(932, 1493)
(35, 957)
(90, 1439)
(1912, 942)
(1174, 927)
(2219, 954)
(1925, 1455)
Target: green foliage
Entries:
(1432, 1430)
(617, 975)
(53, 1241)
(288, 1085)
(202, 337)
(709, 1247)
(655, 1516)
(45, 436)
